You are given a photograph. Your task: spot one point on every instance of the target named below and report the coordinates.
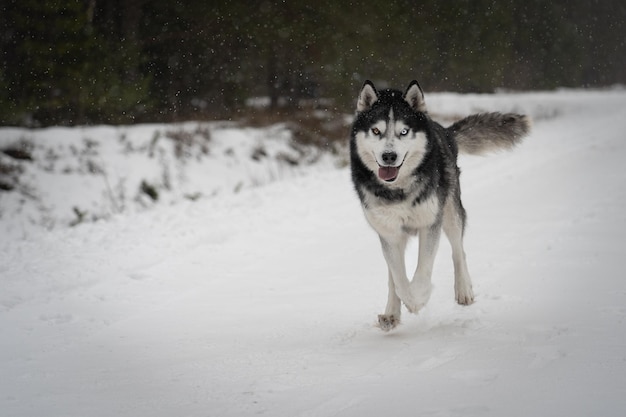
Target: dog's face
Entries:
(390, 133)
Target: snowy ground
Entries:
(264, 301)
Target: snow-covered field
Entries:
(259, 295)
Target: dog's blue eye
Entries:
(375, 131)
(404, 132)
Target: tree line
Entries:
(124, 61)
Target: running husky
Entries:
(405, 172)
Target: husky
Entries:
(404, 169)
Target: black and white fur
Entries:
(404, 169)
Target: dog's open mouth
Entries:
(388, 174)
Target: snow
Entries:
(99, 171)
(262, 299)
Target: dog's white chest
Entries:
(404, 217)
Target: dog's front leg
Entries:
(393, 250)
(421, 285)
(391, 318)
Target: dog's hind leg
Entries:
(453, 226)
(391, 318)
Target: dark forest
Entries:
(128, 61)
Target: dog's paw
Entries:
(418, 297)
(464, 296)
(412, 307)
(415, 306)
(388, 321)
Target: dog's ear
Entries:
(367, 97)
(415, 97)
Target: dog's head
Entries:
(390, 131)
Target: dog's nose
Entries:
(389, 158)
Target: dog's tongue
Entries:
(387, 173)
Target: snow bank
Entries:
(73, 175)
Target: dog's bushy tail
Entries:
(487, 132)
